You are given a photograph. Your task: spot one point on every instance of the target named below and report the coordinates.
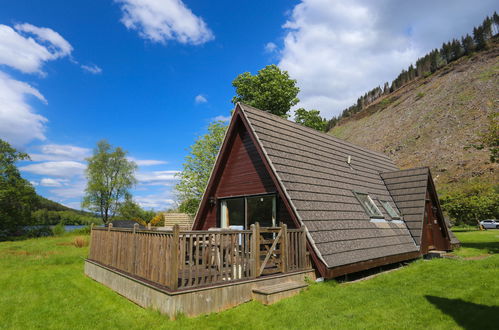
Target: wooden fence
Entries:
(186, 259)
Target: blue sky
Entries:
(149, 75)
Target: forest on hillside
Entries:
(428, 64)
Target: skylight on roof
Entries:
(390, 210)
(368, 205)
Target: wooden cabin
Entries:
(358, 209)
(284, 203)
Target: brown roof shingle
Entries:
(313, 171)
(408, 189)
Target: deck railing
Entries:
(186, 259)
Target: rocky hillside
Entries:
(431, 121)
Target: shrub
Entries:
(80, 242)
(42, 231)
(472, 203)
(59, 229)
(82, 231)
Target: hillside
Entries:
(431, 120)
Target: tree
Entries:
(489, 139)
(311, 119)
(471, 203)
(271, 90)
(468, 44)
(110, 175)
(197, 167)
(130, 210)
(17, 196)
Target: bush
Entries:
(42, 231)
(469, 204)
(58, 229)
(82, 231)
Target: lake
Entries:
(66, 227)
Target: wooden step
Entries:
(432, 254)
(273, 293)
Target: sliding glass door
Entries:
(242, 212)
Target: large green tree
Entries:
(271, 90)
(110, 175)
(197, 167)
(472, 202)
(17, 196)
(311, 119)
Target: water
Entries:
(66, 227)
(73, 227)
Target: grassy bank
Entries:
(43, 286)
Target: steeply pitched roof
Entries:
(408, 189)
(312, 168)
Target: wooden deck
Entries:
(180, 260)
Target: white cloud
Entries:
(162, 20)
(159, 201)
(92, 68)
(75, 190)
(51, 182)
(60, 152)
(147, 162)
(73, 205)
(200, 99)
(270, 47)
(27, 47)
(221, 118)
(18, 122)
(156, 177)
(64, 169)
(338, 50)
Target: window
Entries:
(242, 212)
(368, 205)
(390, 210)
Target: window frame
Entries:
(245, 199)
(397, 215)
(371, 215)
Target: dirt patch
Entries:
(45, 254)
(483, 256)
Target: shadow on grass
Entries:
(466, 314)
(493, 247)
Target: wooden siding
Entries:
(243, 173)
(184, 220)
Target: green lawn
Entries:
(42, 285)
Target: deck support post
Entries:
(303, 252)
(255, 249)
(174, 258)
(134, 261)
(284, 248)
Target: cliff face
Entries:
(432, 121)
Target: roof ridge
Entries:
(314, 131)
(407, 169)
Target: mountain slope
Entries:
(430, 121)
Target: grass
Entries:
(477, 243)
(43, 286)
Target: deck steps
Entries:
(273, 293)
(435, 254)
